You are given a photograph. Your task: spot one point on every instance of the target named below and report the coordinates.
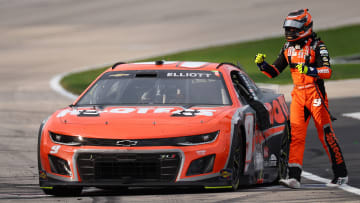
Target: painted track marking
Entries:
(55, 85)
(345, 187)
(355, 115)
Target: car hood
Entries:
(139, 122)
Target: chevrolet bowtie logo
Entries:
(126, 143)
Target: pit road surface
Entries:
(41, 38)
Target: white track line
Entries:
(345, 187)
(55, 85)
(355, 115)
(55, 81)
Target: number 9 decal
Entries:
(55, 149)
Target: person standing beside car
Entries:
(309, 63)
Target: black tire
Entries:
(114, 188)
(64, 191)
(284, 152)
(236, 162)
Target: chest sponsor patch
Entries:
(324, 52)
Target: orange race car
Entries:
(166, 124)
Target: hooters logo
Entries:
(278, 111)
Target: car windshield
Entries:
(160, 87)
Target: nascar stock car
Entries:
(166, 124)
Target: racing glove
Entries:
(260, 58)
(304, 69)
(269, 70)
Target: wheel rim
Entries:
(236, 169)
(284, 154)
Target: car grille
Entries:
(169, 141)
(128, 167)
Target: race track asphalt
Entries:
(41, 38)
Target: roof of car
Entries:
(166, 65)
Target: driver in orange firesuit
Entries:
(308, 59)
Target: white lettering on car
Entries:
(189, 75)
(122, 110)
(55, 149)
(163, 110)
(63, 113)
(141, 110)
(205, 112)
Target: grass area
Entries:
(341, 41)
(78, 82)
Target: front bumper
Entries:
(216, 181)
(185, 156)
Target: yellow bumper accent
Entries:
(218, 187)
(49, 188)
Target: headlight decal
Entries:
(175, 141)
(198, 139)
(65, 139)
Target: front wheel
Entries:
(284, 152)
(236, 161)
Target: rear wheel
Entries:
(63, 191)
(284, 152)
(236, 161)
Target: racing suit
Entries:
(308, 99)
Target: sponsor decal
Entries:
(272, 162)
(141, 110)
(188, 75)
(325, 59)
(201, 152)
(278, 111)
(330, 139)
(226, 174)
(324, 52)
(42, 175)
(186, 112)
(290, 50)
(119, 75)
(63, 113)
(323, 70)
(326, 63)
(126, 143)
